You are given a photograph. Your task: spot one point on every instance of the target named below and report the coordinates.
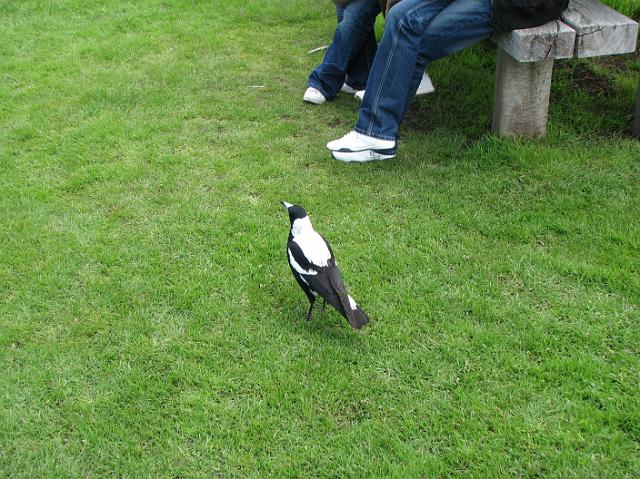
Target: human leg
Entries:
(353, 34)
(360, 65)
(461, 24)
(389, 82)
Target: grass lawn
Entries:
(149, 323)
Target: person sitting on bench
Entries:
(416, 33)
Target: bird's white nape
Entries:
(301, 226)
(313, 247)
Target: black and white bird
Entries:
(315, 269)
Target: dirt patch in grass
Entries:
(596, 75)
(595, 84)
(601, 107)
(617, 63)
(418, 117)
(336, 123)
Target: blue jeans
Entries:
(416, 33)
(351, 53)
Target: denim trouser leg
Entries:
(351, 50)
(360, 65)
(461, 24)
(409, 43)
(394, 65)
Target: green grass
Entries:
(149, 325)
(630, 8)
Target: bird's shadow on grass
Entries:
(330, 326)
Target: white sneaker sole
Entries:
(347, 146)
(347, 89)
(313, 100)
(312, 95)
(361, 156)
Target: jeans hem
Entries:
(356, 87)
(365, 132)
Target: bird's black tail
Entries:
(358, 319)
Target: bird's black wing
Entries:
(337, 283)
(293, 250)
(329, 284)
(334, 275)
(321, 284)
(304, 286)
(299, 257)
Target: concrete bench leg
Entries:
(521, 98)
(636, 122)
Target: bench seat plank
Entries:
(551, 41)
(600, 30)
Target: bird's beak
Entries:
(286, 205)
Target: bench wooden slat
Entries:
(600, 30)
(553, 40)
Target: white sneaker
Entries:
(364, 156)
(314, 96)
(347, 89)
(354, 141)
(425, 87)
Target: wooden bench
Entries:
(525, 61)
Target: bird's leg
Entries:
(324, 304)
(310, 311)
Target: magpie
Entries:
(315, 268)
